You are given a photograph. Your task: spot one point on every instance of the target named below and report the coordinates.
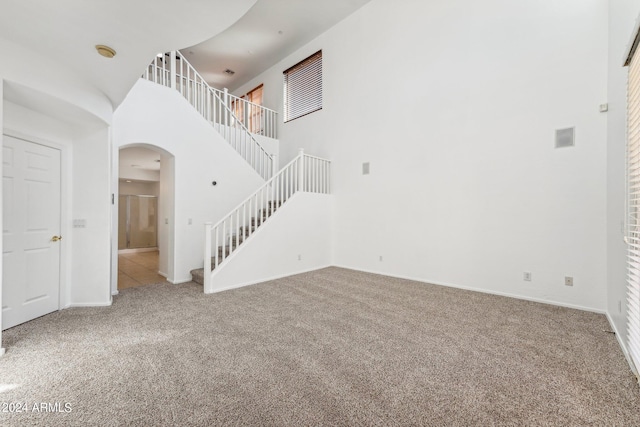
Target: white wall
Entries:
(166, 208)
(53, 78)
(91, 189)
(85, 184)
(623, 15)
(155, 115)
(454, 104)
(292, 241)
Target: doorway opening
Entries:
(144, 216)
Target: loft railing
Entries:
(258, 119)
(216, 106)
(303, 174)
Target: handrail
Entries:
(302, 174)
(213, 104)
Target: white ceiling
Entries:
(268, 32)
(67, 31)
(139, 163)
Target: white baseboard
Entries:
(2, 351)
(179, 281)
(89, 304)
(484, 291)
(136, 250)
(115, 292)
(255, 282)
(623, 346)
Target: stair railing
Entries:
(173, 70)
(258, 119)
(304, 173)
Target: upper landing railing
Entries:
(218, 107)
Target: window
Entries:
(303, 87)
(237, 106)
(255, 112)
(633, 206)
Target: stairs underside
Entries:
(244, 232)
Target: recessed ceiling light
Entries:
(105, 51)
(135, 166)
(128, 180)
(230, 72)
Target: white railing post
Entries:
(274, 164)
(172, 71)
(301, 170)
(225, 100)
(208, 288)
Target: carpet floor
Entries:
(331, 347)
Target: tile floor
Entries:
(138, 269)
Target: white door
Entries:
(31, 231)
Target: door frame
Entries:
(65, 207)
(169, 234)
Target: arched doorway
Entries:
(143, 226)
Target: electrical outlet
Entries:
(527, 276)
(380, 258)
(568, 281)
(299, 257)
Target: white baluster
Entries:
(172, 69)
(301, 170)
(207, 258)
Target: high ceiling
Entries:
(269, 31)
(66, 31)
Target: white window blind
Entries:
(633, 207)
(303, 87)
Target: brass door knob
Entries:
(56, 238)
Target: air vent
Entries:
(365, 168)
(230, 72)
(565, 137)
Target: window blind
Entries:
(303, 87)
(633, 208)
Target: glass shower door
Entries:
(138, 222)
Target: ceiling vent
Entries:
(229, 71)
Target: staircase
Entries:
(219, 108)
(244, 231)
(303, 174)
(237, 120)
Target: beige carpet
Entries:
(332, 347)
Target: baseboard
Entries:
(255, 282)
(163, 274)
(484, 291)
(179, 281)
(136, 250)
(623, 346)
(2, 351)
(115, 292)
(89, 304)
